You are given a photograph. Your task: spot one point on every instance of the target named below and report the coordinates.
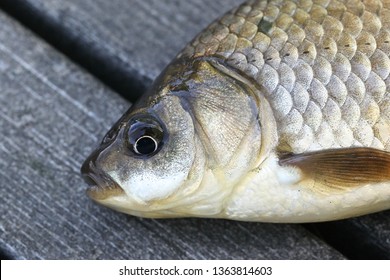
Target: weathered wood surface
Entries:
(52, 114)
(126, 44)
(365, 237)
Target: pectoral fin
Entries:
(341, 168)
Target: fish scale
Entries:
(324, 66)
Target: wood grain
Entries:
(52, 115)
(125, 45)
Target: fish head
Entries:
(177, 150)
(148, 155)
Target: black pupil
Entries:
(145, 145)
(145, 136)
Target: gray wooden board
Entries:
(119, 41)
(83, 18)
(133, 41)
(365, 237)
(52, 114)
(142, 36)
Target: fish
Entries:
(279, 111)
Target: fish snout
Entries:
(101, 185)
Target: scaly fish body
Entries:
(279, 112)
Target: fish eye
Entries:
(145, 136)
(145, 145)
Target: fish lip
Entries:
(100, 185)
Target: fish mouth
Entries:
(100, 186)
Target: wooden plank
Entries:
(135, 45)
(126, 44)
(358, 238)
(132, 46)
(52, 114)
